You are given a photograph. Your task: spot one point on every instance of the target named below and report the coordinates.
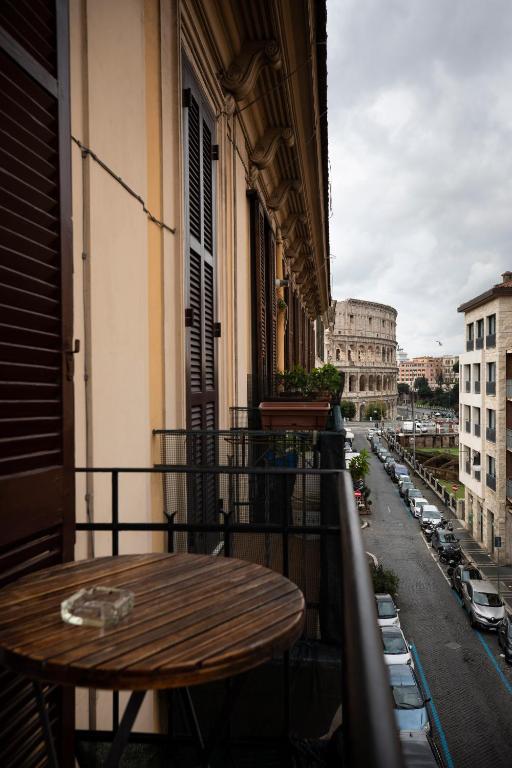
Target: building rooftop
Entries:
(500, 289)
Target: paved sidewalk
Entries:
(472, 550)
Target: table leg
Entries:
(193, 724)
(45, 724)
(123, 732)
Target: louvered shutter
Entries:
(36, 371)
(272, 313)
(201, 298)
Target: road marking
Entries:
(433, 708)
(494, 662)
(431, 553)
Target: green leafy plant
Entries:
(282, 305)
(326, 379)
(348, 409)
(384, 580)
(359, 466)
(376, 411)
(295, 381)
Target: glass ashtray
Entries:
(97, 606)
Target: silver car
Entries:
(483, 604)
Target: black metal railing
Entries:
(490, 434)
(477, 387)
(477, 475)
(490, 387)
(301, 521)
(468, 386)
(479, 343)
(468, 426)
(469, 345)
(476, 430)
(490, 340)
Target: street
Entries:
(468, 680)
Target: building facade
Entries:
(172, 168)
(361, 342)
(485, 445)
(429, 368)
(450, 376)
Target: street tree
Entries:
(348, 409)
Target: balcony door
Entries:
(36, 361)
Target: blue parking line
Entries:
(495, 663)
(435, 714)
(485, 645)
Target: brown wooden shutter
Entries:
(264, 301)
(36, 363)
(200, 256)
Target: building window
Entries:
(479, 343)
(490, 340)
(490, 386)
(491, 466)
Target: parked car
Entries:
(388, 464)
(481, 600)
(383, 454)
(387, 612)
(419, 750)
(416, 504)
(370, 434)
(399, 469)
(462, 573)
(412, 493)
(445, 543)
(396, 648)
(404, 486)
(430, 515)
(505, 636)
(411, 713)
(401, 477)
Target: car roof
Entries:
(394, 630)
(401, 674)
(483, 586)
(383, 596)
(430, 508)
(418, 500)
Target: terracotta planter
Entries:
(294, 415)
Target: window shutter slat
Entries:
(194, 169)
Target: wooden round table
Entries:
(196, 618)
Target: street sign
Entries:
(497, 542)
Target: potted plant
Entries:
(326, 381)
(295, 408)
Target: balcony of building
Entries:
(490, 481)
(281, 500)
(490, 388)
(490, 434)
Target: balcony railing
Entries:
(283, 501)
(476, 386)
(509, 439)
(479, 343)
(476, 475)
(490, 434)
(509, 387)
(468, 386)
(491, 481)
(469, 345)
(468, 426)
(468, 467)
(509, 489)
(490, 340)
(476, 430)
(490, 387)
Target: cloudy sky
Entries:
(420, 132)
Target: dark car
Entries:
(445, 543)
(398, 469)
(464, 573)
(505, 636)
(404, 486)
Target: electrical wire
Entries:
(86, 152)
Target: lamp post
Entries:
(412, 394)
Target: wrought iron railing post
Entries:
(115, 512)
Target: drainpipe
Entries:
(86, 300)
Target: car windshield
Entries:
(407, 697)
(386, 609)
(414, 493)
(394, 643)
(487, 598)
(470, 573)
(433, 515)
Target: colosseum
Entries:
(361, 342)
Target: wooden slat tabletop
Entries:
(196, 618)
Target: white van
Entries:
(408, 426)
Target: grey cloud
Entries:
(420, 132)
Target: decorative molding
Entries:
(266, 148)
(283, 189)
(244, 70)
(290, 224)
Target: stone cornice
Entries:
(243, 72)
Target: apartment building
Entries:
(485, 445)
(429, 368)
(450, 376)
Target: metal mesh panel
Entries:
(243, 497)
